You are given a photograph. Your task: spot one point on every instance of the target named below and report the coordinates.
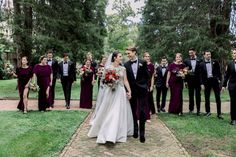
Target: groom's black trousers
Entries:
(138, 106)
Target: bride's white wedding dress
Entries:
(112, 120)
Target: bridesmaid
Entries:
(24, 74)
(230, 81)
(87, 81)
(43, 74)
(151, 70)
(101, 69)
(175, 82)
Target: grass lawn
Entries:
(201, 136)
(37, 134)
(8, 90)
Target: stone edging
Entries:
(73, 137)
(175, 139)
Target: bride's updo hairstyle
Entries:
(114, 55)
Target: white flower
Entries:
(140, 64)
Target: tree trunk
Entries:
(23, 26)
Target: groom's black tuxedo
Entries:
(139, 89)
(230, 79)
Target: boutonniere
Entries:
(140, 64)
(213, 62)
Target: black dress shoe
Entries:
(208, 114)
(135, 135)
(220, 117)
(163, 110)
(142, 139)
(233, 122)
(158, 110)
(68, 107)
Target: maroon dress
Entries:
(86, 92)
(150, 101)
(43, 73)
(176, 88)
(23, 75)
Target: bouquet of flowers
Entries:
(100, 71)
(181, 73)
(8, 70)
(84, 71)
(111, 78)
(33, 87)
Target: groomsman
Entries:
(138, 77)
(54, 65)
(211, 79)
(161, 89)
(230, 78)
(193, 80)
(67, 72)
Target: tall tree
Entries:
(23, 26)
(122, 31)
(171, 26)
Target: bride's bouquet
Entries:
(111, 78)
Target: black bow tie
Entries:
(49, 60)
(207, 62)
(135, 61)
(192, 59)
(65, 62)
(163, 67)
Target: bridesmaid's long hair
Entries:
(114, 54)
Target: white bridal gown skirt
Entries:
(113, 120)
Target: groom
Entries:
(138, 76)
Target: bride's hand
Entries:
(129, 95)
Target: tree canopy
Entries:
(170, 26)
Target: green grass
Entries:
(8, 90)
(203, 136)
(37, 134)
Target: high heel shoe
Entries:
(25, 111)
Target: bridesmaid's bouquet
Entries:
(111, 78)
(181, 73)
(84, 71)
(100, 71)
(33, 87)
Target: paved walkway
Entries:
(159, 142)
(159, 139)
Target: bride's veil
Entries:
(108, 62)
(101, 91)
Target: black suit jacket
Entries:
(216, 72)
(54, 68)
(71, 71)
(230, 75)
(139, 86)
(160, 79)
(196, 77)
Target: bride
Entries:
(113, 120)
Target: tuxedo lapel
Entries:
(69, 66)
(61, 66)
(233, 67)
(130, 70)
(139, 67)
